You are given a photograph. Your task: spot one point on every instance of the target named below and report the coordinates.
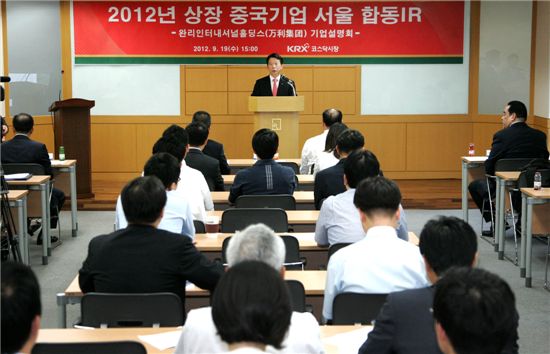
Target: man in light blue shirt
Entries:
(339, 220)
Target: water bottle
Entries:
(471, 150)
(538, 181)
(61, 153)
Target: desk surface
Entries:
(294, 216)
(64, 163)
(33, 181)
(543, 193)
(17, 194)
(250, 162)
(302, 179)
(299, 196)
(508, 175)
(118, 334)
(473, 159)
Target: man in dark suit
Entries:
(209, 166)
(266, 176)
(330, 181)
(142, 258)
(21, 149)
(515, 140)
(213, 148)
(405, 323)
(274, 84)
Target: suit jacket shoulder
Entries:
(215, 149)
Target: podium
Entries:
(72, 131)
(281, 114)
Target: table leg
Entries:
(61, 310)
(22, 231)
(48, 217)
(465, 191)
(500, 217)
(45, 222)
(523, 242)
(529, 239)
(74, 222)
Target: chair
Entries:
(34, 169)
(102, 310)
(199, 227)
(334, 248)
(353, 308)
(282, 201)
(297, 295)
(292, 165)
(293, 261)
(235, 219)
(126, 347)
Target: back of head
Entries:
(476, 310)
(23, 123)
(335, 130)
(171, 145)
(251, 304)
(265, 143)
(163, 166)
(256, 243)
(202, 117)
(350, 140)
(20, 305)
(359, 165)
(331, 116)
(198, 133)
(143, 199)
(377, 195)
(176, 132)
(448, 242)
(519, 109)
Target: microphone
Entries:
(291, 83)
(5, 79)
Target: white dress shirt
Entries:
(324, 160)
(200, 335)
(381, 263)
(312, 146)
(339, 221)
(177, 217)
(193, 187)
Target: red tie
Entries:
(274, 87)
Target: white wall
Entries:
(542, 61)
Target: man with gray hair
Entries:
(255, 243)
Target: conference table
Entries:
(17, 199)
(469, 163)
(530, 197)
(68, 166)
(171, 336)
(304, 200)
(42, 185)
(301, 220)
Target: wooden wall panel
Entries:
(337, 78)
(44, 134)
(243, 78)
(146, 136)
(345, 101)
(212, 102)
(114, 148)
(483, 137)
(236, 139)
(302, 76)
(387, 142)
(238, 103)
(437, 147)
(213, 78)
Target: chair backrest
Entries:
(126, 347)
(511, 164)
(352, 308)
(334, 248)
(33, 168)
(282, 201)
(225, 243)
(237, 219)
(132, 310)
(292, 165)
(293, 261)
(199, 227)
(527, 178)
(297, 295)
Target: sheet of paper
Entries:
(306, 236)
(349, 342)
(162, 341)
(17, 176)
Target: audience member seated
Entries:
(330, 181)
(192, 184)
(21, 149)
(266, 176)
(380, 263)
(255, 243)
(251, 308)
(177, 217)
(329, 157)
(21, 308)
(316, 144)
(405, 323)
(474, 311)
(141, 258)
(213, 148)
(209, 166)
(339, 220)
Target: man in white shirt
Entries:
(380, 263)
(192, 183)
(316, 144)
(258, 243)
(177, 216)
